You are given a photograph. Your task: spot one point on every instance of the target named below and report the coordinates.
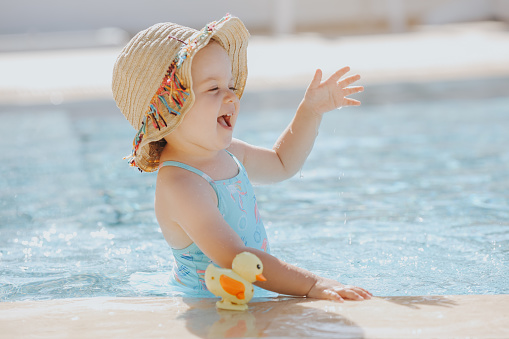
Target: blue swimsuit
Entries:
(237, 204)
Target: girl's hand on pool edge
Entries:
(332, 290)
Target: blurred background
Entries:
(58, 51)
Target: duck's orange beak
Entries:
(260, 277)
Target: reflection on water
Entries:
(407, 199)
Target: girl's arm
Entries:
(295, 143)
(288, 279)
(180, 195)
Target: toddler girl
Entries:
(180, 88)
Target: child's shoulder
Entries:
(174, 184)
(238, 149)
(176, 177)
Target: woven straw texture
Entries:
(142, 65)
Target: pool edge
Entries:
(480, 316)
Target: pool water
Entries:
(402, 199)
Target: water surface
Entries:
(402, 199)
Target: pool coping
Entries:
(458, 316)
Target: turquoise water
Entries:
(402, 199)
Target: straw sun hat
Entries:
(152, 82)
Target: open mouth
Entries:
(225, 120)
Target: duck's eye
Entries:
(258, 266)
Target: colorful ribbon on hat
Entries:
(171, 88)
(193, 41)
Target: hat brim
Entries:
(233, 36)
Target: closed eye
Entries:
(217, 88)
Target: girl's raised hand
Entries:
(322, 97)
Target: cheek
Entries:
(196, 118)
(203, 103)
(191, 120)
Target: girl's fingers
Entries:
(349, 80)
(351, 102)
(352, 295)
(334, 296)
(366, 291)
(336, 76)
(353, 90)
(363, 294)
(317, 79)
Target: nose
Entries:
(230, 97)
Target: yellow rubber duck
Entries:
(235, 285)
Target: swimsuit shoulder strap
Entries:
(201, 173)
(189, 168)
(194, 170)
(239, 164)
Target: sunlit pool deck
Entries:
(479, 51)
(466, 316)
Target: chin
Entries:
(227, 143)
